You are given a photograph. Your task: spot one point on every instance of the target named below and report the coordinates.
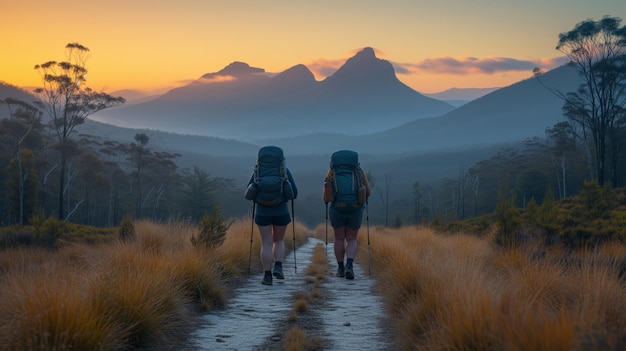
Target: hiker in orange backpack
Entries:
(346, 189)
(271, 186)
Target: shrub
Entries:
(213, 230)
(508, 219)
(127, 229)
(48, 232)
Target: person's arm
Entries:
(327, 177)
(365, 182)
(293, 184)
(327, 193)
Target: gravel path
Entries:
(351, 315)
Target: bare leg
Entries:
(278, 239)
(267, 257)
(351, 247)
(339, 247)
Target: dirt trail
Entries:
(351, 317)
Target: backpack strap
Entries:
(359, 175)
(256, 173)
(283, 172)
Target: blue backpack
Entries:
(347, 181)
(271, 185)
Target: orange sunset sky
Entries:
(154, 45)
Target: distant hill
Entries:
(240, 101)
(134, 96)
(519, 111)
(460, 96)
(180, 143)
(510, 114)
(8, 90)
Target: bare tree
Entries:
(67, 103)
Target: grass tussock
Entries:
(49, 310)
(319, 265)
(296, 337)
(142, 292)
(301, 306)
(295, 340)
(460, 292)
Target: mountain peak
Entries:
(367, 52)
(364, 67)
(235, 69)
(299, 71)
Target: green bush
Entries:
(508, 219)
(478, 226)
(127, 229)
(48, 233)
(212, 230)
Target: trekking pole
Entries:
(367, 220)
(293, 222)
(251, 233)
(326, 229)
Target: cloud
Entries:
(473, 65)
(323, 67)
(216, 78)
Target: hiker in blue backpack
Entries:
(271, 186)
(346, 189)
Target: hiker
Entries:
(346, 189)
(271, 186)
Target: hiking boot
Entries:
(341, 272)
(278, 271)
(349, 272)
(267, 280)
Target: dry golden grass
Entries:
(463, 293)
(301, 306)
(295, 340)
(23, 259)
(48, 309)
(139, 294)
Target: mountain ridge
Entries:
(243, 102)
(508, 114)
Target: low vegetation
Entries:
(461, 292)
(142, 291)
(470, 285)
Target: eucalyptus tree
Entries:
(197, 195)
(155, 176)
(68, 102)
(597, 49)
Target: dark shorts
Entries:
(345, 220)
(272, 220)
